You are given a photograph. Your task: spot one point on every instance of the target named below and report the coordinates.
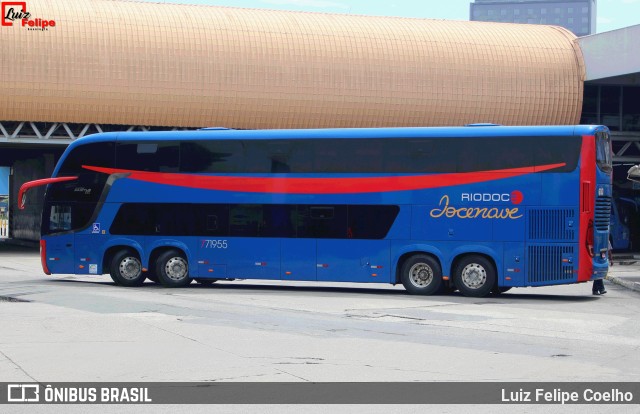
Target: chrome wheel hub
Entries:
(421, 275)
(130, 268)
(474, 276)
(176, 268)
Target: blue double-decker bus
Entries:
(478, 209)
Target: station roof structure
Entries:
(612, 57)
(612, 60)
(134, 63)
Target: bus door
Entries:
(298, 259)
(61, 243)
(88, 252)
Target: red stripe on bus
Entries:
(587, 213)
(337, 185)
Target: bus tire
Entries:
(421, 275)
(500, 289)
(126, 269)
(173, 269)
(474, 276)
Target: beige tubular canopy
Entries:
(126, 62)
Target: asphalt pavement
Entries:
(86, 329)
(625, 271)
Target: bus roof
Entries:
(354, 133)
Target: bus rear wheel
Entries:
(126, 269)
(421, 275)
(474, 276)
(173, 269)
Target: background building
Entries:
(611, 91)
(612, 98)
(579, 16)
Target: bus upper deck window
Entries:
(322, 213)
(147, 148)
(148, 156)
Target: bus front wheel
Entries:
(474, 276)
(421, 275)
(126, 269)
(173, 269)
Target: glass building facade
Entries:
(616, 106)
(579, 16)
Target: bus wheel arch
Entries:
(474, 274)
(125, 266)
(420, 273)
(171, 266)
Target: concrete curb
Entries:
(635, 286)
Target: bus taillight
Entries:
(590, 239)
(43, 257)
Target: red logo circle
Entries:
(516, 197)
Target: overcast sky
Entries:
(612, 14)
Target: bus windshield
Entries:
(604, 155)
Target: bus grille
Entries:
(550, 264)
(552, 224)
(603, 213)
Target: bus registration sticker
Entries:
(93, 269)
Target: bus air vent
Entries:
(603, 213)
(550, 264)
(557, 224)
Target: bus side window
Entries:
(433, 156)
(371, 222)
(60, 218)
(256, 157)
(211, 219)
(97, 154)
(302, 155)
(396, 156)
(175, 219)
(557, 150)
(135, 219)
(211, 156)
(212, 222)
(323, 222)
(145, 156)
(328, 158)
(245, 220)
(277, 220)
(279, 153)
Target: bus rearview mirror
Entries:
(634, 173)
